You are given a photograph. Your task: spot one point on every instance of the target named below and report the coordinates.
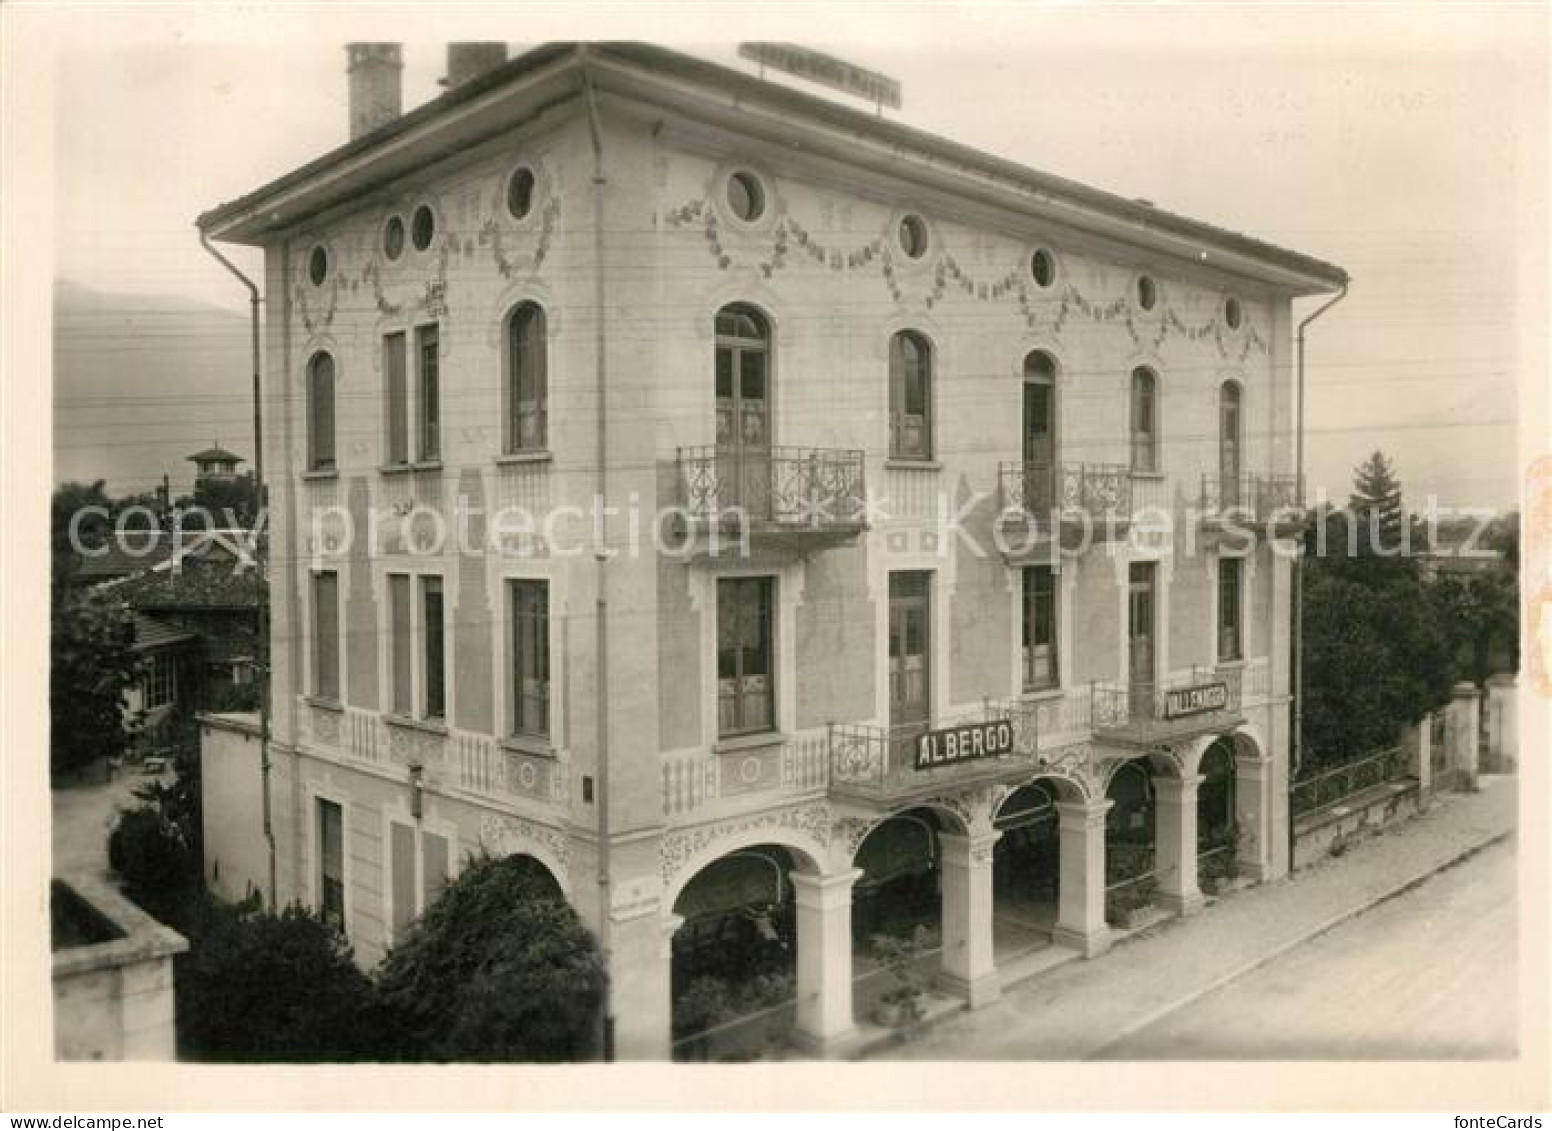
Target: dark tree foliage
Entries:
(226, 502)
(498, 969)
(157, 848)
(1376, 657)
(92, 666)
(276, 988)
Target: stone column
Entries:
(641, 946)
(824, 1016)
(969, 968)
(1501, 723)
(1253, 816)
(1466, 706)
(1174, 844)
(1417, 749)
(1080, 913)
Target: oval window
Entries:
(520, 193)
(318, 265)
(393, 237)
(423, 227)
(913, 236)
(1042, 266)
(1232, 314)
(746, 196)
(1147, 293)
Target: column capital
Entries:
(823, 891)
(1082, 814)
(964, 849)
(1177, 790)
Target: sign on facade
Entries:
(827, 70)
(964, 744)
(1196, 700)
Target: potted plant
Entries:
(902, 1003)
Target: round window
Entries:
(1042, 265)
(520, 193)
(913, 236)
(318, 265)
(746, 196)
(1232, 314)
(393, 237)
(1147, 293)
(423, 227)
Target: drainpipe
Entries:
(601, 552)
(259, 561)
(1298, 567)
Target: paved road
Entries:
(1428, 975)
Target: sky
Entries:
(1405, 143)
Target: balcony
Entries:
(1270, 505)
(1141, 714)
(1077, 502)
(796, 498)
(890, 766)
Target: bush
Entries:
(278, 988)
(151, 856)
(498, 969)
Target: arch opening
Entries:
(1026, 870)
(1217, 828)
(1130, 829)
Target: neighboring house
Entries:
(810, 331)
(197, 622)
(168, 679)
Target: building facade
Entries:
(672, 467)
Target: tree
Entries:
(92, 667)
(227, 501)
(1376, 658)
(1480, 611)
(277, 988)
(498, 969)
(157, 848)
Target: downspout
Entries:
(259, 554)
(1298, 567)
(601, 552)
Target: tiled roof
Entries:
(210, 455)
(199, 585)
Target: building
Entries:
(919, 592)
(216, 464)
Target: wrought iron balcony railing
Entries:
(1252, 497)
(1143, 711)
(892, 763)
(821, 489)
(1066, 490)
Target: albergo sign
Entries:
(964, 743)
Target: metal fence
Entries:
(816, 488)
(1330, 785)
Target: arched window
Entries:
(743, 378)
(1145, 420)
(1229, 424)
(910, 396)
(320, 413)
(527, 380)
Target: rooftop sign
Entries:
(827, 70)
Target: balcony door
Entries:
(743, 411)
(1141, 616)
(1039, 430)
(910, 664)
(1229, 443)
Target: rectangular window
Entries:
(435, 656)
(1230, 636)
(746, 686)
(331, 863)
(396, 395)
(326, 649)
(430, 396)
(401, 657)
(1040, 670)
(161, 681)
(530, 604)
(418, 867)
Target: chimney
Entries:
(466, 61)
(376, 94)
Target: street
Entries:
(1430, 975)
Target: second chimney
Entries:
(376, 85)
(470, 60)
